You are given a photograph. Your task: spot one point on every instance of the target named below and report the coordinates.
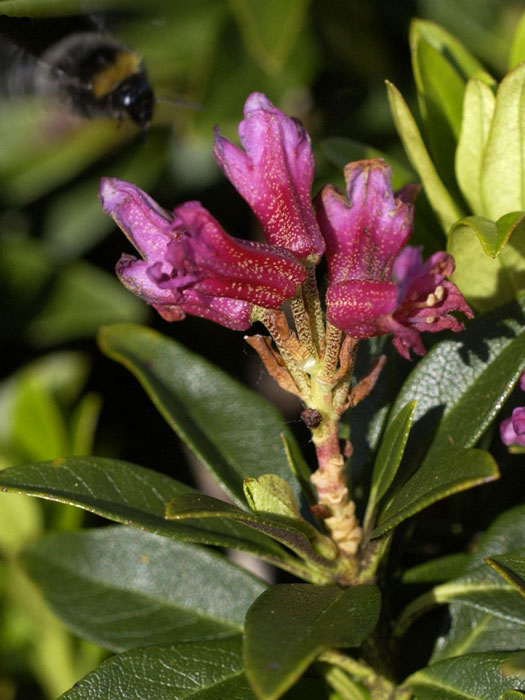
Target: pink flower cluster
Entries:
(377, 284)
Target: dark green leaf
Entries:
(481, 588)
(128, 494)
(511, 568)
(443, 474)
(232, 430)
(294, 534)
(289, 625)
(505, 534)
(389, 457)
(462, 383)
(437, 570)
(205, 670)
(472, 630)
(123, 588)
(474, 676)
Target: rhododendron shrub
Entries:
(395, 430)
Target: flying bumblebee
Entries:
(90, 72)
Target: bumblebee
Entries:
(90, 72)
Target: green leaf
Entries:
(389, 457)
(484, 281)
(441, 201)
(480, 588)
(203, 670)
(503, 168)
(49, 649)
(440, 79)
(123, 588)
(478, 110)
(299, 467)
(232, 430)
(84, 424)
(517, 49)
(465, 64)
(270, 31)
(462, 383)
(505, 534)
(341, 151)
(472, 630)
(442, 474)
(83, 298)
(21, 521)
(271, 495)
(437, 570)
(511, 568)
(474, 676)
(39, 429)
(493, 235)
(128, 494)
(289, 625)
(292, 533)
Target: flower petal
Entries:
(364, 234)
(274, 175)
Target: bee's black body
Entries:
(90, 72)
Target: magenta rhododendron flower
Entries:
(191, 265)
(512, 430)
(375, 287)
(274, 174)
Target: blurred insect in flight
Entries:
(89, 72)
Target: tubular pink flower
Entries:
(191, 265)
(376, 286)
(274, 174)
(512, 430)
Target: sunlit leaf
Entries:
(478, 110)
(503, 167)
(443, 204)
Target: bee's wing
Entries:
(17, 69)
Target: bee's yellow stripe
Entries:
(126, 63)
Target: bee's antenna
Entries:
(178, 102)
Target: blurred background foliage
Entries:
(324, 61)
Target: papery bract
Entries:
(376, 286)
(274, 174)
(191, 265)
(512, 430)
